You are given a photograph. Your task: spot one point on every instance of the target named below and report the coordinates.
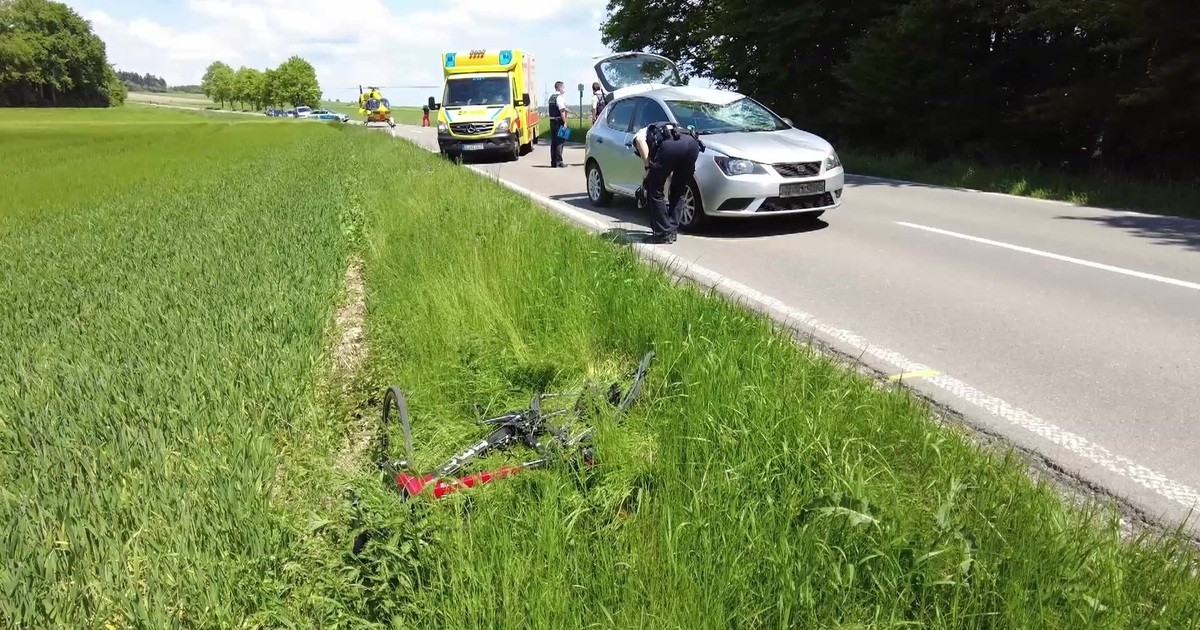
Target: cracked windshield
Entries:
(738, 116)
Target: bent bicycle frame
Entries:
(527, 427)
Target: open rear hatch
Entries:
(628, 69)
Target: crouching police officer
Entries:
(668, 151)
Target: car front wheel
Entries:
(597, 194)
(691, 215)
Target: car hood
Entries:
(771, 147)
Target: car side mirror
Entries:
(789, 122)
(432, 103)
(525, 100)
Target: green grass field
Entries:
(174, 455)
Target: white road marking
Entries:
(1077, 261)
(1122, 466)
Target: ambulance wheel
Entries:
(595, 186)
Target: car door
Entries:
(612, 144)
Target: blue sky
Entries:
(350, 42)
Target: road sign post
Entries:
(581, 107)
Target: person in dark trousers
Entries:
(667, 152)
(558, 118)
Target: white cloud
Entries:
(349, 43)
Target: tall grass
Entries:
(756, 486)
(166, 286)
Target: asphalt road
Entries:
(1073, 332)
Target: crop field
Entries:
(180, 99)
(175, 453)
(166, 285)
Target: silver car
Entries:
(756, 163)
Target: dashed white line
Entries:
(1076, 261)
(1087, 450)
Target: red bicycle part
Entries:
(413, 485)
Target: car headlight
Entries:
(832, 161)
(502, 126)
(738, 166)
(442, 127)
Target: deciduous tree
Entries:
(50, 56)
(297, 82)
(218, 82)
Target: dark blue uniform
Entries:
(556, 123)
(675, 158)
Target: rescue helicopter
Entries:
(375, 108)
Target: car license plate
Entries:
(801, 188)
(478, 146)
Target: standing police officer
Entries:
(558, 118)
(668, 151)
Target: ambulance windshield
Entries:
(477, 91)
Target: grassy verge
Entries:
(578, 132)
(1111, 191)
(756, 486)
(411, 116)
(168, 282)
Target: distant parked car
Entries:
(303, 111)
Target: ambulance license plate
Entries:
(478, 146)
(800, 189)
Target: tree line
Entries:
(135, 82)
(1062, 83)
(143, 82)
(294, 83)
(49, 56)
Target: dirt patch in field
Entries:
(351, 349)
(348, 356)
